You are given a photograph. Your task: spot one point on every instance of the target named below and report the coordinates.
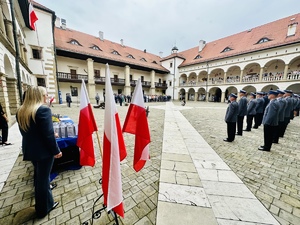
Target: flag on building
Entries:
(86, 127)
(136, 123)
(32, 17)
(114, 152)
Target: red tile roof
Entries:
(38, 5)
(246, 41)
(86, 41)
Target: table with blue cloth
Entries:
(70, 152)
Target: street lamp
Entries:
(174, 78)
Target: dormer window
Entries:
(143, 59)
(263, 40)
(227, 49)
(115, 52)
(198, 57)
(292, 29)
(130, 56)
(95, 47)
(154, 62)
(74, 42)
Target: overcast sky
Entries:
(157, 25)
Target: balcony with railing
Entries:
(161, 85)
(144, 83)
(114, 81)
(68, 77)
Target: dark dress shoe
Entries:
(55, 205)
(246, 130)
(226, 140)
(238, 134)
(52, 186)
(263, 149)
(275, 142)
(254, 127)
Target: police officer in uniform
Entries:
(287, 111)
(259, 109)
(282, 105)
(242, 112)
(251, 111)
(231, 118)
(270, 121)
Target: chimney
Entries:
(160, 54)
(122, 42)
(101, 34)
(57, 22)
(63, 23)
(201, 45)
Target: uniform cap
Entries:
(253, 94)
(273, 92)
(233, 95)
(288, 91)
(280, 91)
(243, 91)
(259, 93)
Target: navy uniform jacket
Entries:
(251, 109)
(295, 103)
(289, 106)
(242, 109)
(39, 142)
(282, 106)
(266, 101)
(231, 112)
(271, 114)
(260, 105)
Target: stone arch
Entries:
(251, 72)
(269, 87)
(192, 78)
(294, 87)
(201, 94)
(202, 77)
(294, 69)
(215, 94)
(233, 74)
(249, 89)
(229, 90)
(191, 94)
(216, 76)
(8, 69)
(183, 79)
(273, 70)
(182, 94)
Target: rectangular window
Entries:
(36, 53)
(130, 77)
(142, 78)
(159, 80)
(41, 82)
(171, 64)
(170, 83)
(73, 74)
(97, 73)
(74, 91)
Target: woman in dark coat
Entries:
(39, 145)
(3, 126)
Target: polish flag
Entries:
(86, 127)
(32, 17)
(114, 151)
(136, 123)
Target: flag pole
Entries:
(98, 138)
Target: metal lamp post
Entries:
(206, 89)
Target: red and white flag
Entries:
(114, 152)
(136, 123)
(86, 127)
(32, 17)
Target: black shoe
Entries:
(52, 186)
(226, 140)
(246, 130)
(263, 149)
(238, 134)
(55, 205)
(275, 142)
(255, 127)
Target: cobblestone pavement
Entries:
(274, 177)
(77, 189)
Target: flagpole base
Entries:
(97, 214)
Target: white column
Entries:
(127, 89)
(152, 77)
(91, 87)
(285, 71)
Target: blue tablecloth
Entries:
(66, 142)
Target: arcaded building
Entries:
(261, 58)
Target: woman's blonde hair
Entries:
(34, 98)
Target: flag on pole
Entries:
(136, 123)
(32, 17)
(114, 151)
(86, 127)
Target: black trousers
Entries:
(231, 128)
(276, 134)
(4, 132)
(281, 130)
(249, 122)
(240, 121)
(292, 115)
(268, 136)
(258, 119)
(42, 192)
(285, 124)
